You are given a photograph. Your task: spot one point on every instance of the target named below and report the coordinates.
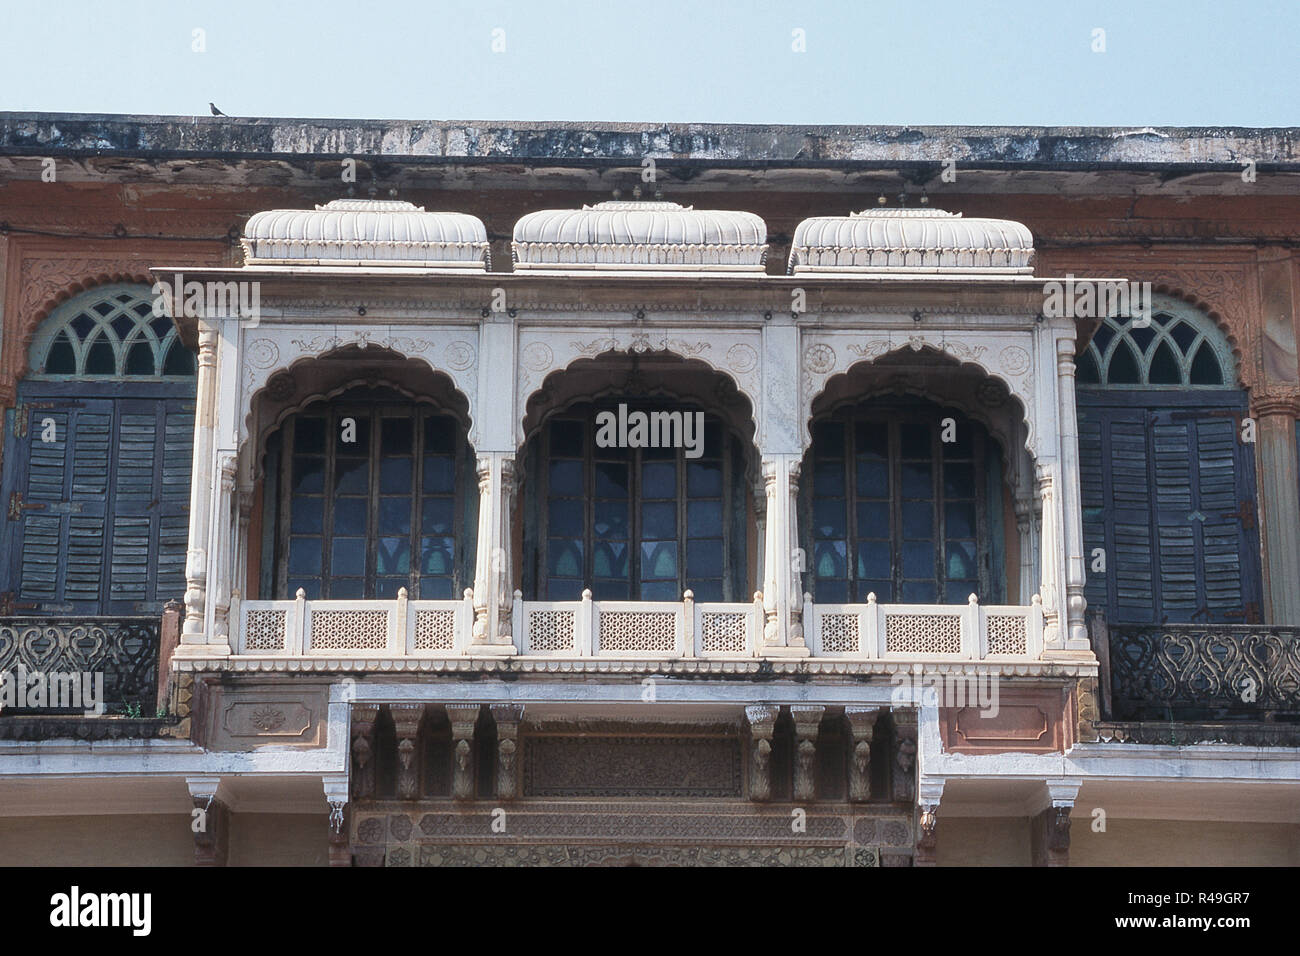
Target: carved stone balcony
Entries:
(1215, 672)
(122, 649)
(710, 634)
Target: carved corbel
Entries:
(210, 822)
(363, 750)
(463, 718)
(762, 720)
(807, 720)
(862, 728)
(507, 717)
(904, 775)
(927, 836)
(406, 720)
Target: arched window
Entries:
(97, 478)
(371, 498)
(892, 508)
(1168, 486)
(110, 334)
(634, 523)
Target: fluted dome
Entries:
(636, 236)
(911, 241)
(374, 232)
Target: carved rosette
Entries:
(762, 720)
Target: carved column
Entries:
(462, 717)
(493, 590)
(210, 821)
(1074, 628)
(201, 486)
(406, 720)
(1050, 555)
(1050, 829)
(222, 546)
(507, 717)
(862, 730)
(903, 781)
(363, 750)
(336, 797)
(1279, 492)
(782, 586)
(762, 720)
(807, 720)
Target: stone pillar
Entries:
(1051, 583)
(493, 591)
(1279, 492)
(210, 824)
(782, 587)
(1049, 832)
(222, 550)
(463, 718)
(862, 730)
(807, 720)
(507, 717)
(363, 750)
(201, 485)
(336, 796)
(1074, 628)
(762, 720)
(406, 720)
(903, 782)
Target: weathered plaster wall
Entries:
(1183, 843)
(109, 840)
(983, 841)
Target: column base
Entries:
(491, 650)
(780, 651)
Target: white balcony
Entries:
(639, 630)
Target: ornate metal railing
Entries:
(124, 650)
(1191, 672)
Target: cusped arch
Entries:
(539, 403)
(285, 391)
(1222, 322)
(1017, 388)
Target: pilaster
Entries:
(782, 587)
(1279, 491)
(493, 590)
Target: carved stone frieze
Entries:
(632, 766)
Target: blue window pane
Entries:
(703, 479)
(659, 479)
(437, 555)
(917, 481)
(703, 558)
(309, 436)
(959, 519)
(961, 560)
(828, 439)
(304, 556)
(609, 559)
(308, 515)
(395, 476)
(395, 436)
(393, 555)
(829, 559)
(359, 433)
(350, 515)
(565, 516)
(706, 589)
(871, 440)
(386, 588)
(828, 518)
(567, 438)
(873, 559)
(610, 519)
(566, 478)
(658, 560)
(873, 478)
(659, 520)
(918, 519)
(831, 591)
(440, 435)
(611, 479)
(603, 590)
(964, 444)
(348, 556)
(959, 480)
(351, 476)
(436, 589)
(882, 589)
(660, 591)
(704, 518)
(564, 558)
(828, 479)
(343, 589)
(308, 476)
(873, 519)
(914, 440)
(918, 592)
(959, 592)
(438, 516)
(439, 475)
(309, 585)
(918, 559)
(394, 515)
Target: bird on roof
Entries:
(215, 112)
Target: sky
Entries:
(816, 62)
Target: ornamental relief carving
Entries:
(541, 352)
(995, 352)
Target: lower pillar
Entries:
(209, 822)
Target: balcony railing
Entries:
(660, 630)
(124, 650)
(1191, 672)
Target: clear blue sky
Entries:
(915, 62)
